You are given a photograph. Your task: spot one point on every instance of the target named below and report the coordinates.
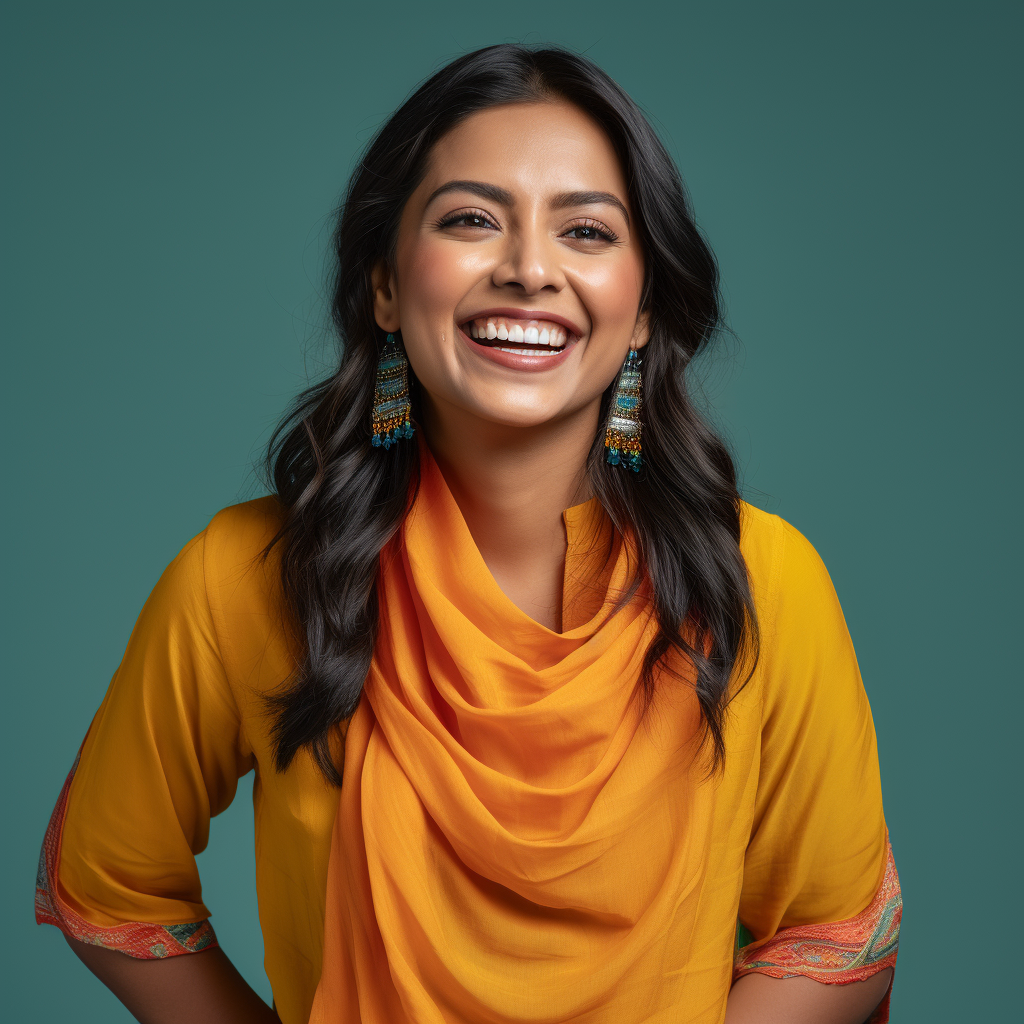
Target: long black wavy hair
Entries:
(343, 500)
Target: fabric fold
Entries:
(507, 787)
(515, 844)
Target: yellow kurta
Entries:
(791, 834)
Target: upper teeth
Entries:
(530, 332)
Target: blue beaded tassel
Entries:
(622, 439)
(391, 405)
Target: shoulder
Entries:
(239, 533)
(806, 659)
(788, 578)
(250, 617)
(240, 572)
(232, 543)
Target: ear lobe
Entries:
(642, 331)
(385, 298)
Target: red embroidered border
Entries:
(138, 939)
(839, 952)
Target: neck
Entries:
(512, 485)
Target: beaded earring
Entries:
(622, 439)
(391, 405)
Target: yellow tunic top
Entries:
(793, 839)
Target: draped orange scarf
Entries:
(513, 842)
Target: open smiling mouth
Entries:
(518, 337)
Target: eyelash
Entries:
(591, 225)
(454, 218)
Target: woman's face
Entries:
(518, 272)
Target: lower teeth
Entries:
(531, 351)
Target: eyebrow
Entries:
(496, 194)
(565, 199)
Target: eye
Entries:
(467, 219)
(590, 231)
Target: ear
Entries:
(385, 298)
(642, 331)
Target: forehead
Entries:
(539, 148)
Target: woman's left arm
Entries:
(821, 897)
(759, 999)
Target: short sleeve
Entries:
(163, 754)
(820, 893)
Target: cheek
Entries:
(611, 293)
(433, 277)
(616, 294)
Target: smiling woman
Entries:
(543, 715)
(557, 228)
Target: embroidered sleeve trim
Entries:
(136, 938)
(839, 952)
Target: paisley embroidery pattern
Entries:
(839, 952)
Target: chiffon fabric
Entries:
(514, 842)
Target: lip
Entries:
(574, 330)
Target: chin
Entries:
(525, 416)
(521, 419)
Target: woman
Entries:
(540, 710)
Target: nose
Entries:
(530, 262)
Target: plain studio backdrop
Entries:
(171, 171)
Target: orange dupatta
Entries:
(511, 844)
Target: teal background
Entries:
(170, 170)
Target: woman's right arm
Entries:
(202, 988)
(163, 754)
